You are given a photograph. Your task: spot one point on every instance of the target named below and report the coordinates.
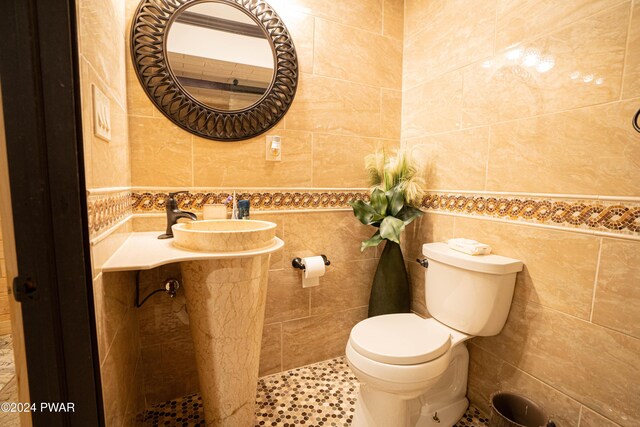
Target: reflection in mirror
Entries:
(220, 56)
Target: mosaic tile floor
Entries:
(323, 394)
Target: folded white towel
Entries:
(469, 246)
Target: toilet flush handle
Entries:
(423, 262)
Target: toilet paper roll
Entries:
(314, 269)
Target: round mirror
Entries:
(220, 56)
(221, 69)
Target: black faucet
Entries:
(174, 214)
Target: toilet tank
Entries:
(469, 293)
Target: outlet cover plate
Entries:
(101, 114)
(272, 156)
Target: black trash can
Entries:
(514, 410)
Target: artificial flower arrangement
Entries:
(396, 194)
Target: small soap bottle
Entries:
(243, 209)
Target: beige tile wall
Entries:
(302, 326)
(459, 91)
(348, 103)
(485, 116)
(102, 44)
(518, 127)
(5, 317)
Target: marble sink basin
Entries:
(224, 235)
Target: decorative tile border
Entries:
(145, 202)
(615, 216)
(106, 210)
(621, 216)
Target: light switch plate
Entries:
(101, 114)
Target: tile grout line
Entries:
(108, 86)
(495, 30)
(380, 114)
(501, 122)
(351, 82)
(525, 303)
(580, 415)
(566, 26)
(595, 280)
(312, 131)
(462, 97)
(241, 189)
(313, 52)
(281, 346)
(354, 27)
(322, 314)
(382, 18)
(313, 155)
(133, 389)
(486, 163)
(551, 31)
(528, 374)
(402, 89)
(308, 300)
(443, 74)
(453, 228)
(193, 161)
(104, 191)
(585, 407)
(313, 48)
(626, 49)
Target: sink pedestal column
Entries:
(226, 300)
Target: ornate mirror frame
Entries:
(149, 31)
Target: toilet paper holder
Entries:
(297, 262)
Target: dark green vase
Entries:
(391, 291)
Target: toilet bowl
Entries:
(395, 367)
(413, 371)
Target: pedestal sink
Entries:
(226, 300)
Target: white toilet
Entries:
(413, 371)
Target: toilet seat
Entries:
(400, 339)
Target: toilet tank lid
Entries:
(491, 264)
